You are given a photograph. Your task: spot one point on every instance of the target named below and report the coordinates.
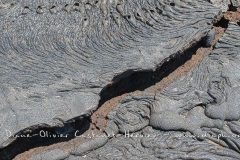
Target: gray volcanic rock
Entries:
(154, 144)
(235, 3)
(57, 56)
(222, 4)
(90, 145)
(209, 38)
(196, 117)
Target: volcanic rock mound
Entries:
(54, 65)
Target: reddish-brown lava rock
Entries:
(233, 16)
(99, 119)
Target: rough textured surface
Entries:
(87, 141)
(209, 38)
(99, 117)
(57, 56)
(97, 142)
(154, 144)
(235, 3)
(204, 104)
(233, 16)
(195, 117)
(55, 154)
(222, 4)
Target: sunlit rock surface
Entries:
(57, 56)
(198, 112)
(222, 4)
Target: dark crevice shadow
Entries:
(232, 8)
(143, 80)
(133, 81)
(222, 23)
(44, 136)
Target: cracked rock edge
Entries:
(54, 65)
(204, 105)
(224, 4)
(198, 112)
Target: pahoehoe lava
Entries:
(56, 65)
(61, 60)
(135, 81)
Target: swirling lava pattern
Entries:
(57, 55)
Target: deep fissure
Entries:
(132, 82)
